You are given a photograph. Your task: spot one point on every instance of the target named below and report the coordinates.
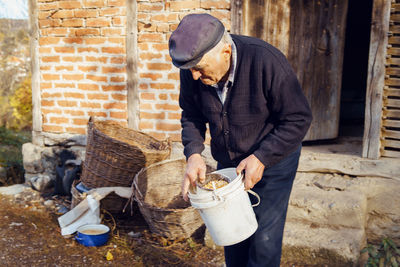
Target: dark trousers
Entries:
(264, 247)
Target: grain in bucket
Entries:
(227, 211)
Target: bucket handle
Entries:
(256, 195)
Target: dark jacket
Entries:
(265, 112)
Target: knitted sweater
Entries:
(265, 112)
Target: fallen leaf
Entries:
(109, 256)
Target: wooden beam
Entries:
(391, 123)
(391, 153)
(131, 67)
(34, 51)
(236, 16)
(376, 78)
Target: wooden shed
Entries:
(346, 55)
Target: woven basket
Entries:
(114, 154)
(157, 190)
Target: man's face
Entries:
(212, 68)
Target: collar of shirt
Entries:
(222, 87)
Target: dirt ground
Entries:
(30, 236)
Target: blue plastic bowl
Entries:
(93, 235)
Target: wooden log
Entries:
(131, 65)
(391, 123)
(376, 78)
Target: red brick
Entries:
(146, 125)
(184, 5)
(176, 137)
(98, 22)
(43, 23)
(47, 103)
(48, 6)
(115, 105)
(143, 46)
(117, 79)
(72, 59)
(87, 49)
(119, 21)
(45, 68)
(86, 13)
(51, 111)
(52, 128)
(76, 130)
(163, 126)
(51, 59)
(150, 7)
(162, 86)
(174, 97)
(118, 115)
(159, 66)
(165, 17)
(45, 86)
(96, 78)
(97, 97)
(163, 27)
(143, 86)
(45, 50)
(113, 87)
(163, 96)
(44, 14)
(80, 121)
(172, 27)
(117, 3)
(118, 60)
(113, 70)
(167, 107)
(111, 11)
(112, 32)
(67, 68)
(87, 68)
(221, 4)
(69, 4)
(147, 96)
(119, 97)
(49, 95)
(65, 103)
(73, 77)
(173, 76)
(74, 95)
(72, 23)
(95, 3)
(97, 114)
(62, 14)
(160, 47)
(174, 116)
(153, 76)
(97, 59)
(168, 58)
(95, 40)
(145, 106)
(49, 40)
(64, 49)
(148, 115)
(150, 37)
(149, 56)
(73, 40)
(113, 50)
(50, 77)
(56, 31)
(221, 15)
(146, 27)
(157, 135)
(143, 16)
(86, 32)
(74, 112)
(64, 85)
(117, 40)
(88, 86)
(59, 120)
(89, 105)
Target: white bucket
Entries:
(227, 212)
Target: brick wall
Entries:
(82, 58)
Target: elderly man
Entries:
(246, 91)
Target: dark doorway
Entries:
(355, 68)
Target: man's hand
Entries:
(253, 170)
(195, 169)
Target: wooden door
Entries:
(311, 34)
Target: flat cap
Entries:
(195, 35)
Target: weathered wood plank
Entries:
(131, 65)
(390, 113)
(35, 79)
(393, 71)
(392, 81)
(391, 143)
(376, 78)
(395, 17)
(393, 39)
(394, 50)
(391, 153)
(396, 7)
(391, 123)
(394, 28)
(388, 102)
(390, 133)
(236, 17)
(393, 61)
(391, 92)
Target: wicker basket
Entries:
(114, 154)
(157, 190)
